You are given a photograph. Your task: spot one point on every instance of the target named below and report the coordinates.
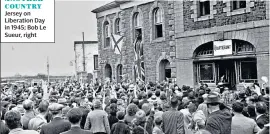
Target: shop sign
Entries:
(222, 47)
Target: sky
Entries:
(72, 17)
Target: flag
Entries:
(139, 60)
(48, 65)
(70, 63)
(117, 43)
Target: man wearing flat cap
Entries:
(57, 125)
(219, 121)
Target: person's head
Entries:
(135, 101)
(213, 101)
(113, 100)
(56, 109)
(192, 107)
(158, 121)
(113, 108)
(149, 94)
(146, 107)
(261, 108)
(238, 107)
(157, 93)
(174, 102)
(74, 115)
(43, 106)
(163, 96)
(13, 119)
(97, 104)
(120, 115)
(267, 90)
(132, 109)
(28, 105)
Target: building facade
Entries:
(193, 41)
(86, 60)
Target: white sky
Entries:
(71, 19)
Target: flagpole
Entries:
(48, 69)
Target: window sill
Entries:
(202, 18)
(237, 11)
(160, 39)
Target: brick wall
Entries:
(258, 12)
(152, 50)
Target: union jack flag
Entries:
(139, 60)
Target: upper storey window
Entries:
(106, 34)
(204, 7)
(238, 5)
(158, 17)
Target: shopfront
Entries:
(229, 62)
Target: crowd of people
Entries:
(134, 108)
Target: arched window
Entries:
(157, 23)
(137, 20)
(119, 73)
(106, 33)
(117, 26)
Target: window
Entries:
(106, 34)
(95, 62)
(206, 72)
(137, 20)
(248, 70)
(239, 4)
(204, 7)
(158, 22)
(117, 26)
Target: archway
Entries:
(227, 62)
(108, 71)
(164, 70)
(119, 73)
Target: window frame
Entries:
(95, 62)
(117, 26)
(137, 20)
(199, 72)
(106, 34)
(202, 5)
(236, 5)
(240, 72)
(157, 13)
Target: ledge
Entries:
(225, 28)
(160, 39)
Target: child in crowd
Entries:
(157, 129)
(120, 127)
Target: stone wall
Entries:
(154, 51)
(256, 10)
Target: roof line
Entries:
(113, 4)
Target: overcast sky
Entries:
(71, 19)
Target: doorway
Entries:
(226, 72)
(108, 71)
(164, 70)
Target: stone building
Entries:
(198, 41)
(86, 60)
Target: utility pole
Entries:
(48, 70)
(83, 58)
(83, 52)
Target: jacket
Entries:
(120, 128)
(56, 126)
(97, 121)
(76, 130)
(219, 122)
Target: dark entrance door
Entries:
(226, 72)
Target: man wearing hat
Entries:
(219, 121)
(98, 120)
(57, 125)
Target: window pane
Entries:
(117, 26)
(107, 31)
(249, 70)
(95, 62)
(204, 8)
(206, 72)
(158, 16)
(242, 4)
(159, 31)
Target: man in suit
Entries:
(74, 116)
(262, 117)
(57, 125)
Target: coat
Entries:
(56, 126)
(76, 130)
